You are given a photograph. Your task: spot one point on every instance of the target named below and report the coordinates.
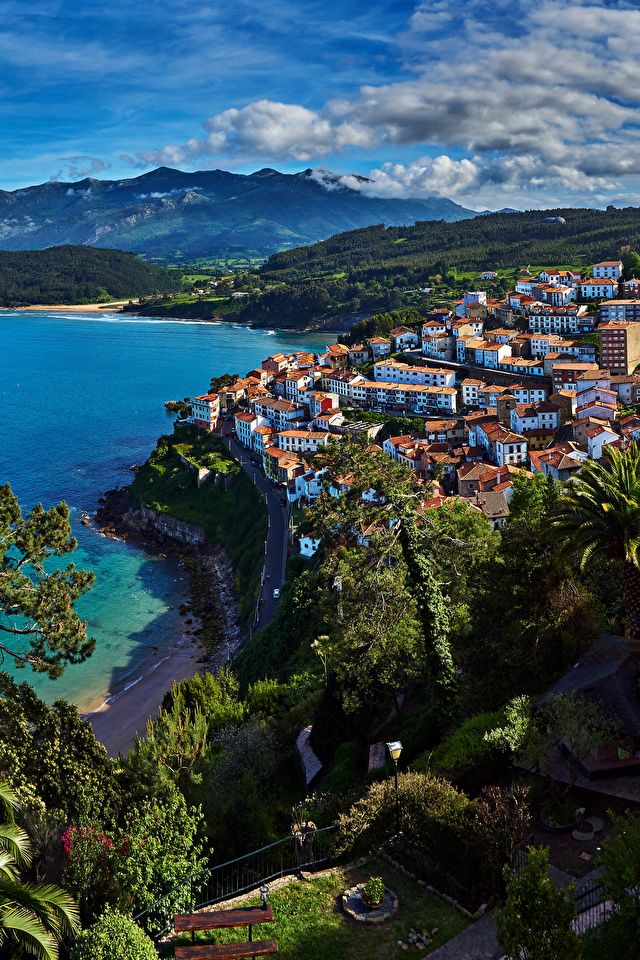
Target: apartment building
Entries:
(628, 310)
(393, 371)
(619, 346)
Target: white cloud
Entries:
(265, 128)
(534, 97)
(427, 177)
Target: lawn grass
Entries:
(310, 925)
(235, 519)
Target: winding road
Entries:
(277, 544)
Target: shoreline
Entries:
(72, 307)
(119, 719)
(118, 306)
(123, 714)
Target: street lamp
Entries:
(395, 749)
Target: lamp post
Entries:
(395, 749)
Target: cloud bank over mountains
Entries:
(531, 102)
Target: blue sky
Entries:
(490, 102)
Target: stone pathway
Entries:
(310, 762)
(477, 942)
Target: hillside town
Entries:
(535, 382)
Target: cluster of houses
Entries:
(500, 387)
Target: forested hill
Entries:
(75, 274)
(493, 241)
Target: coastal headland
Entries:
(215, 619)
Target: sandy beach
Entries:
(123, 715)
(78, 307)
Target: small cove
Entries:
(82, 401)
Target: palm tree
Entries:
(599, 515)
(34, 917)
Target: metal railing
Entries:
(592, 906)
(226, 880)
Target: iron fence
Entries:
(592, 907)
(226, 880)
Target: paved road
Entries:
(277, 537)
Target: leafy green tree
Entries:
(386, 621)
(114, 936)
(38, 623)
(164, 847)
(437, 820)
(174, 745)
(35, 918)
(631, 265)
(598, 516)
(527, 631)
(433, 613)
(49, 752)
(157, 846)
(536, 920)
(372, 640)
(619, 864)
(215, 695)
(576, 722)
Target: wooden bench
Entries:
(224, 920)
(227, 951)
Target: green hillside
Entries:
(355, 274)
(75, 274)
(485, 242)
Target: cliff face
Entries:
(144, 520)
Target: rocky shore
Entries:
(213, 601)
(213, 632)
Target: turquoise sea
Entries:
(82, 400)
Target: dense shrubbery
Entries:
(114, 936)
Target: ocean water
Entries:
(81, 401)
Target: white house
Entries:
(309, 545)
(439, 346)
(280, 413)
(206, 411)
(484, 353)
(501, 445)
(380, 347)
(403, 338)
(558, 295)
(597, 440)
(469, 391)
(302, 441)
(340, 382)
(537, 416)
(607, 269)
(598, 289)
(393, 371)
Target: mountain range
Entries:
(173, 216)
